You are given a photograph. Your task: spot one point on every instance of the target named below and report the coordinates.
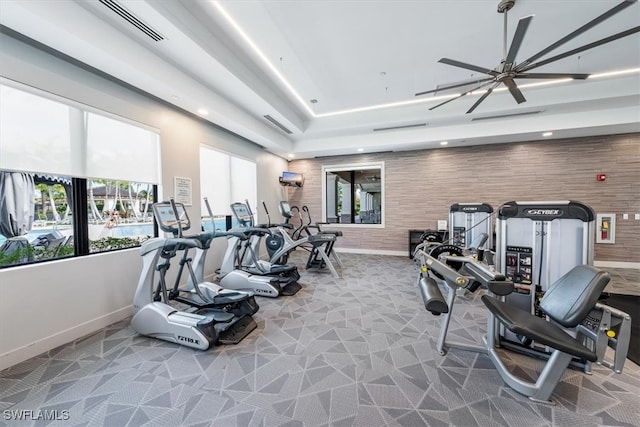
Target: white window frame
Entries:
(350, 167)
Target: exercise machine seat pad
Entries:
(538, 329)
(570, 299)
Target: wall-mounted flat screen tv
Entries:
(292, 179)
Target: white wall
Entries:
(47, 305)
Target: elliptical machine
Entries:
(231, 277)
(154, 318)
(315, 259)
(203, 296)
(243, 254)
(280, 245)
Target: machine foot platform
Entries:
(237, 331)
(291, 289)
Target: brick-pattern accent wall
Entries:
(420, 186)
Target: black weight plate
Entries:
(451, 250)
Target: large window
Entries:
(119, 214)
(225, 179)
(36, 218)
(53, 155)
(354, 194)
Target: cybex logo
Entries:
(263, 291)
(470, 209)
(189, 340)
(549, 212)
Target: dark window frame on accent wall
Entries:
(353, 195)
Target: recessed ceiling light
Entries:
(444, 142)
(547, 134)
(202, 112)
(291, 156)
(360, 150)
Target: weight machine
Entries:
(536, 244)
(571, 304)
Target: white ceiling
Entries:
(351, 54)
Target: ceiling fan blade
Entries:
(580, 49)
(454, 85)
(483, 97)
(515, 92)
(552, 76)
(459, 96)
(587, 26)
(521, 30)
(468, 66)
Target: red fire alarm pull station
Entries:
(601, 177)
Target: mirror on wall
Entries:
(354, 194)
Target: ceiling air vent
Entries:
(505, 116)
(132, 19)
(414, 125)
(278, 124)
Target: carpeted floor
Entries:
(356, 351)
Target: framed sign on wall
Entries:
(182, 191)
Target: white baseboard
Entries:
(616, 264)
(371, 251)
(610, 264)
(33, 349)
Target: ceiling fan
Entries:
(508, 70)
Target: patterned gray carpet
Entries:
(357, 351)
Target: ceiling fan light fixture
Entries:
(509, 71)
